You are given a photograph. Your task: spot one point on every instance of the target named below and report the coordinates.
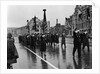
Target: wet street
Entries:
(55, 58)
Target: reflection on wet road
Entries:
(56, 57)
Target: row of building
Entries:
(33, 26)
(80, 19)
(30, 27)
(58, 29)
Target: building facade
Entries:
(30, 27)
(80, 19)
(84, 16)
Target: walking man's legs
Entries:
(74, 49)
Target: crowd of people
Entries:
(80, 40)
(39, 40)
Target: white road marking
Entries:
(41, 58)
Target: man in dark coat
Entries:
(33, 41)
(51, 39)
(56, 39)
(20, 38)
(77, 42)
(12, 53)
(85, 41)
(43, 46)
(63, 41)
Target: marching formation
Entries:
(80, 40)
(39, 40)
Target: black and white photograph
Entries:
(49, 37)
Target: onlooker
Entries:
(12, 53)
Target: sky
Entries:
(17, 15)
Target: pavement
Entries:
(55, 58)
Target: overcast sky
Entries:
(17, 15)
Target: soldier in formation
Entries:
(39, 40)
